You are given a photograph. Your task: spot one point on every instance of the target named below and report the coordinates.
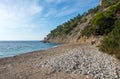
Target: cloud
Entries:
(33, 9)
(16, 14)
(18, 9)
(51, 12)
(15, 17)
(65, 12)
(24, 17)
(68, 7)
(55, 1)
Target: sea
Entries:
(13, 48)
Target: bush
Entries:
(102, 23)
(107, 3)
(112, 10)
(66, 27)
(88, 32)
(111, 43)
(98, 19)
(84, 19)
(93, 10)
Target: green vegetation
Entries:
(66, 27)
(88, 31)
(111, 43)
(83, 19)
(105, 22)
(93, 10)
(102, 23)
(107, 3)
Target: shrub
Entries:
(111, 43)
(102, 23)
(93, 10)
(90, 31)
(84, 19)
(107, 3)
(66, 27)
(112, 10)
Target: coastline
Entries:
(27, 53)
(52, 63)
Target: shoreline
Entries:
(28, 52)
(16, 51)
(26, 55)
(32, 52)
(62, 62)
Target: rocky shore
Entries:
(85, 60)
(64, 62)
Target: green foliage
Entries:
(98, 18)
(89, 31)
(83, 19)
(107, 3)
(111, 43)
(93, 10)
(112, 10)
(102, 23)
(66, 27)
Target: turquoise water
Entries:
(12, 48)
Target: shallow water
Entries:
(12, 48)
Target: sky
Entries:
(34, 19)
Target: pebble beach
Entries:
(69, 61)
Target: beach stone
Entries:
(86, 60)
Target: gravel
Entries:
(86, 60)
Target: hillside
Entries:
(100, 25)
(70, 31)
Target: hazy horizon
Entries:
(34, 19)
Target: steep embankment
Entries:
(86, 27)
(74, 34)
(100, 23)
